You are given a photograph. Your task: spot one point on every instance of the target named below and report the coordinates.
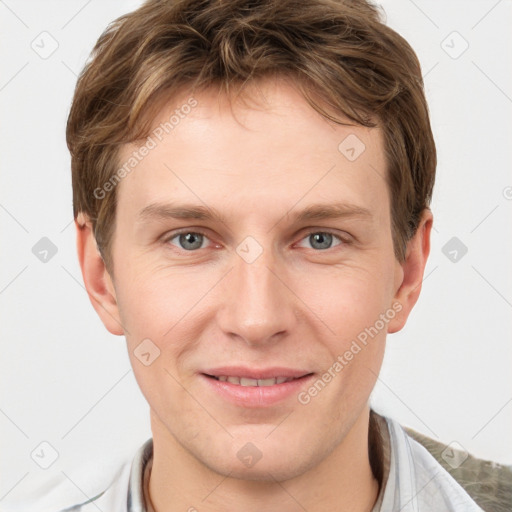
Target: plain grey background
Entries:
(67, 383)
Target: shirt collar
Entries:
(136, 499)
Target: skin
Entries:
(296, 305)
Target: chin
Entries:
(271, 464)
(269, 471)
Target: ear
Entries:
(97, 280)
(411, 272)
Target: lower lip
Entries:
(257, 396)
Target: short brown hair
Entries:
(342, 58)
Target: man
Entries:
(251, 188)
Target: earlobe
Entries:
(97, 280)
(412, 271)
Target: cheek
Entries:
(153, 302)
(154, 310)
(158, 313)
(164, 313)
(347, 299)
(354, 312)
(353, 306)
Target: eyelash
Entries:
(343, 241)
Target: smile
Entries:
(246, 381)
(255, 388)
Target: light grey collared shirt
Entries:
(415, 482)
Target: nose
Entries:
(258, 307)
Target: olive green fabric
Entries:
(488, 483)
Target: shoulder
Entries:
(489, 484)
(112, 498)
(124, 492)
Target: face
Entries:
(253, 246)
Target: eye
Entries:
(192, 240)
(188, 240)
(322, 240)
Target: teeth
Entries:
(247, 382)
(266, 382)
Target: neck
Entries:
(342, 481)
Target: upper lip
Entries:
(256, 373)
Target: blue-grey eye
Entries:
(321, 240)
(189, 241)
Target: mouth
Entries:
(248, 382)
(244, 387)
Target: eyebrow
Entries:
(163, 211)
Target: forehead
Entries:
(267, 151)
